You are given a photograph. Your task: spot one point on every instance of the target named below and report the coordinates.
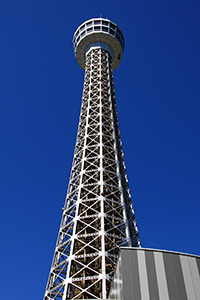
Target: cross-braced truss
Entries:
(98, 216)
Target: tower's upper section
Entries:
(98, 32)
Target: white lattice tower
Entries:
(98, 216)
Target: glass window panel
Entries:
(118, 37)
(112, 32)
(105, 29)
(104, 22)
(119, 32)
(112, 25)
(89, 29)
(82, 27)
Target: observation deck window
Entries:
(97, 22)
(96, 28)
(119, 32)
(78, 38)
(89, 29)
(77, 32)
(118, 37)
(82, 27)
(112, 26)
(105, 23)
(83, 33)
(105, 29)
(89, 23)
(112, 32)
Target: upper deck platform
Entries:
(98, 32)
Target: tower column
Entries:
(98, 216)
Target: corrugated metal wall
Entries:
(149, 274)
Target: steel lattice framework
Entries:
(98, 217)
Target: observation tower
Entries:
(98, 217)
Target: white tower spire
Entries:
(98, 216)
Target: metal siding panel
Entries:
(143, 275)
(179, 277)
(151, 273)
(154, 275)
(161, 276)
(198, 264)
(119, 283)
(126, 276)
(187, 277)
(135, 286)
(170, 276)
(195, 276)
(117, 286)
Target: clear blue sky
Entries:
(158, 100)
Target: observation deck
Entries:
(98, 32)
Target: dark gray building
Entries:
(149, 274)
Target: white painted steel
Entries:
(98, 216)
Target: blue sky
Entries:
(158, 92)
